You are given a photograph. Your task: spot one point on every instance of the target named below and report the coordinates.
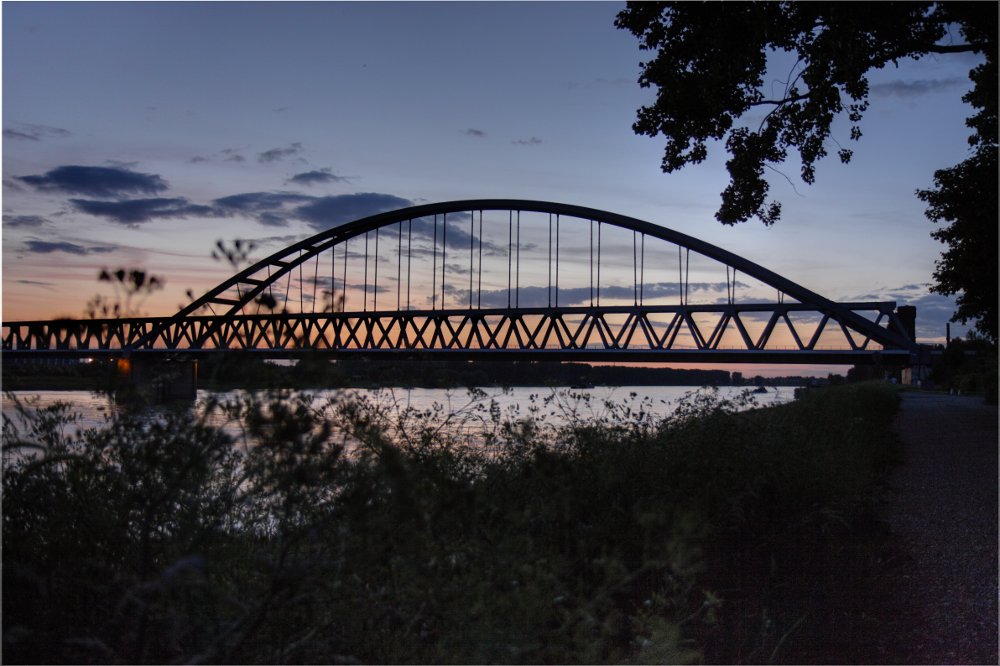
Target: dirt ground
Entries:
(941, 591)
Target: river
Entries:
(462, 408)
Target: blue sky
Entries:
(178, 109)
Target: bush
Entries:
(356, 531)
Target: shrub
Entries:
(354, 530)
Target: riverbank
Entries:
(630, 538)
(225, 373)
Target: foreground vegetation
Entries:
(355, 531)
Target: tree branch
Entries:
(783, 174)
(780, 102)
(958, 48)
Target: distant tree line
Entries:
(317, 372)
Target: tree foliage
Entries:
(965, 196)
(709, 66)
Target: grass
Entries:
(354, 531)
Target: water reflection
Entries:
(463, 413)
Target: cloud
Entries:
(253, 202)
(475, 132)
(535, 296)
(280, 241)
(24, 220)
(232, 155)
(47, 247)
(316, 177)
(96, 181)
(121, 164)
(36, 283)
(270, 208)
(197, 159)
(917, 88)
(278, 154)
(11, 184)
(29, 132)
(136, 211)
(19, 136)
(458, 236)
(934, 311)
(326, 212)
(533, 141)
(279, 208)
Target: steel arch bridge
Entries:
(499, 278)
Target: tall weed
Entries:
(359, 530)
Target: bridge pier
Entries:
(918, 370)
(158, 380)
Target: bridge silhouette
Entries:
(498, 278)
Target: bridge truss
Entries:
(499, 279)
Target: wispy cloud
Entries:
(133, 212)
(457, 237)
(917, 88)
(325, 212)
(13, 185)
(278, 154)
(475, 133)
(96, 181)
(36, 283)
(317, 177)
(121, 164)
(47, 247)
(29, 132)
(270, 208)
(18, 136)
(24, 220)
(533, 141)
(280, 241)
(232, 155)
(540, 296)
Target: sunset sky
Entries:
(204, 121)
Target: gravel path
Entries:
(942, 507)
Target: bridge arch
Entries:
(254, 311)
(247, 288)
(284, 261)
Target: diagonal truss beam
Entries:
(605, 332)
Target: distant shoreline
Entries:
(321, 374)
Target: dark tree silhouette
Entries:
(709, 66)
(966, 197)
